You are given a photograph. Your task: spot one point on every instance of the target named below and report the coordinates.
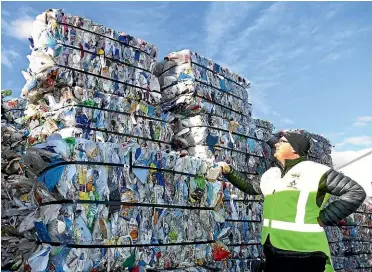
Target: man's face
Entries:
(283, 149)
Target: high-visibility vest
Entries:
(290, 211)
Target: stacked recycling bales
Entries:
(12, 110)
(320, 150)
(350, 240)
(242, 227)
(164, 216)
(212, 113)
(112, 194)
(17, 203)
(86, 79)
(212, 120)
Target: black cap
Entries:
(299, 141)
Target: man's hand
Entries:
(225, 168)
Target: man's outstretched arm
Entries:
(251, 187)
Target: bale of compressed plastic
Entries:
(70, 50)
(191, 84)
(17, 203)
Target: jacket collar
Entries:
(288, 164)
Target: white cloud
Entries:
(362, 121)
(220, 19)
(360, 124)
(258, 96)
(246, 40)
(305, 67)
(146, 22)
(335, 134)
(9, 56)
(331, 57)
(287, 121)
(20, 26)
(333, 10)
(275, 113)
(359, 170)
(340, 158)
(337, 54)
(268, 18)
(359, 141)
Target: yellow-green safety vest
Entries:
(290, 211)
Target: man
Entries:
(295, 192)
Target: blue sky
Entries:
(309, 63)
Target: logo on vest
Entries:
(293, 183)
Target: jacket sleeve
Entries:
(351, 196)
(251, 187)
